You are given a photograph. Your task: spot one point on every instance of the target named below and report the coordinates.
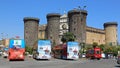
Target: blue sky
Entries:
(12, 13)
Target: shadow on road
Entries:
(118, 66)
(42, 59)
(16, 60)
(66, 59)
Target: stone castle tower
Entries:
(52, 30)
(31, 30)
(77, 24)
(111, 33)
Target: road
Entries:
(57, 63)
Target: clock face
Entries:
(64, 26)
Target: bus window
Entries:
(97, 52)
(91, 51)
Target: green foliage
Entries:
(118, 47)
(63, 39)
(95, 44)
(111, 49)
(88, 46)
(67, 37)
(29, 49)
(102, 46)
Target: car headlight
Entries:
(21, 55)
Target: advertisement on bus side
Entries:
(73, 50)
(44, 49)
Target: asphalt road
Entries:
(57, 63)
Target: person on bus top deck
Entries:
(16, 46)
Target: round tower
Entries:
(77, 24)
(31, 30)
(52, 32)
(110, 33)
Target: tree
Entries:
(29, 49)
(111, 49)
(102, 46)
(95, 44)
(67, 37)
(88, 46)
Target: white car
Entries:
(103, 55)
(5, 55)
(83, 55)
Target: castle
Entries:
(75, 22)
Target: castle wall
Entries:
(92, 34)
(41, 33)
(95, 35)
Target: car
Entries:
(0, 52)
(5, 54)
(118, 60)
(103, 55)
(83, 55)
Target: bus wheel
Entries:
(91, 58)
(98, 58)
(10, 60)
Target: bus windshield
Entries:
(97, 52)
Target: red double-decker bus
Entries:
(59, 51)
(94, 53)
(16, 49)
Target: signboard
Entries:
(44, 49)
(73, 50)
(17, 43)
